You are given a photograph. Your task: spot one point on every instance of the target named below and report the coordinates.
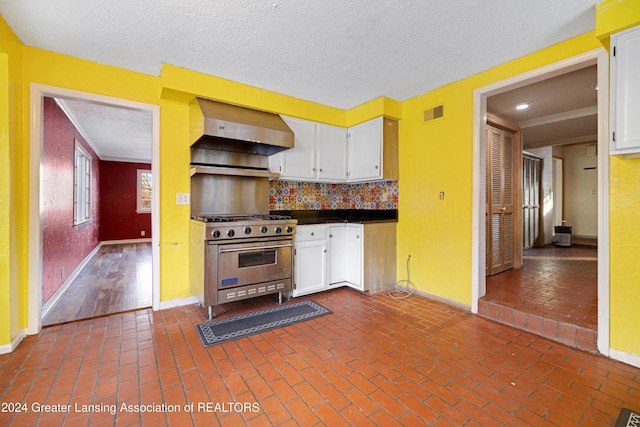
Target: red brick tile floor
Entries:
(553, 294)
(374, 361)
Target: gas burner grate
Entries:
(236, 218)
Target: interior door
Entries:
(502, 241)
(531, 229)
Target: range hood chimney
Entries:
(225, 127)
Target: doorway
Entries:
(38, 94)
(599, 57)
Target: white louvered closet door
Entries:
(531, 169)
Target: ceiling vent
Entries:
(434, 113)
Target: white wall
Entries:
(581, 189)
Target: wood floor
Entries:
(116, 279)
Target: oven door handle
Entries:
(255, 248)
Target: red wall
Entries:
(118, 194)
(64, 245)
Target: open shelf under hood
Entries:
(232, 171)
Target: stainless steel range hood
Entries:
(226, 127)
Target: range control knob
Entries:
(216, 234)
(263, 229)
(278, 230)
(231, 233)
(247, 230)
(289, 229)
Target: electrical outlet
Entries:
(183, 198)
(143, 233)
(441, 195)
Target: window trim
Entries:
(82, 178)
(139, 208)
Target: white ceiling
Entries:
(114, 133)
(334, 52)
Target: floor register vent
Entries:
(434, 113)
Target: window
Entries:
(144, 191)
(81, 186)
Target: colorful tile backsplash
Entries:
(295, 195)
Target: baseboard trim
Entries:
(48, 305)
(628, 358)
(8, 348)
(437, 298)
(178, 302)
(125, 241)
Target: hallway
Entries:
(116, 279)
(554, 294)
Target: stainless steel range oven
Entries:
(237, 250)
(243, 257)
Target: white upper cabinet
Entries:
(373, 150)
(365, 151)
(298, 162)
(325, 153)
(625, 93)
(332, 153)
(319, 153)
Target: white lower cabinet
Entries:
(328, 256)
(336, 255)
(353, 259)
(310, 260)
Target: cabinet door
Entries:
(336, 254)
(625, 93)
(365, 150)
(300, 161)
(353, 244)
(332, 153)
(311, 267)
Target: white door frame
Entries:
(480, 95)
(36, 141)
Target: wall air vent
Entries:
(434, 113)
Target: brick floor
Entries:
(374, 361)
(554, 294)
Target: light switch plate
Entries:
(183, 198)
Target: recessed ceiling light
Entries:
(523, 105)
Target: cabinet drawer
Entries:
(311, 232)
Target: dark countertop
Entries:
(342, 215)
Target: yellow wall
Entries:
(179, 86)
(172, 91)
(434, 156)
(437, 156)
(5, 198)
(613, 16)
(11, 226)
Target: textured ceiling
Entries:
(335, 52)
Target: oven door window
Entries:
(257, 258)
